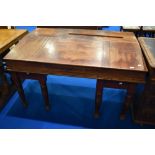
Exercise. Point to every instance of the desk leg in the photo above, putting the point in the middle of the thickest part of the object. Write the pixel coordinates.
(128, 100)
(42, 80)
(18, 84)
(98, 98)
(5, 84)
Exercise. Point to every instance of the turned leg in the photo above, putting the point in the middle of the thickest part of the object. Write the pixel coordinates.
(19, 87)
(128, 100)
(98, 98)
(42, 80)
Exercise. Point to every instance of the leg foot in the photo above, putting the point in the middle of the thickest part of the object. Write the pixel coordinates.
(5, 85)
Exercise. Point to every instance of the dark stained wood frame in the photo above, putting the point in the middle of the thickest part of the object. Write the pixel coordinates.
(6, 90)
(121, 81)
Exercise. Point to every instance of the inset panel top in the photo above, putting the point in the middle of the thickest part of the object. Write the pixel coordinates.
(90, 48)
(148, 46)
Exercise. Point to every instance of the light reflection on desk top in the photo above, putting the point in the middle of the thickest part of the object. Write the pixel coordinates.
(92, 48)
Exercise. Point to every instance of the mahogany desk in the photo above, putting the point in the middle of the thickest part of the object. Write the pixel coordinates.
(113, 58)
(8, 37)
(145, 110)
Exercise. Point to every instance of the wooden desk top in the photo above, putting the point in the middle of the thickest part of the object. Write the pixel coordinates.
(148, 46)
(8, 37)
(81, 48)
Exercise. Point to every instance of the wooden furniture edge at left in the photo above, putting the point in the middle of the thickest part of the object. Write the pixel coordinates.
(7, 89)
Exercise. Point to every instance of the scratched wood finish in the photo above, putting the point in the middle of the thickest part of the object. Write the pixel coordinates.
(8, 37)
(145, 108)
(114, 56)
(148, 48)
